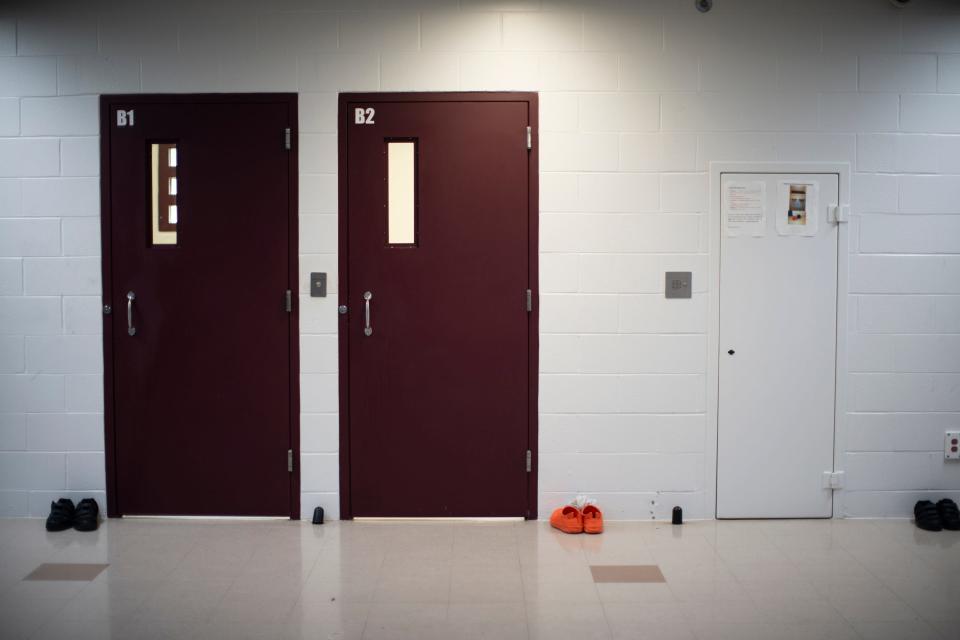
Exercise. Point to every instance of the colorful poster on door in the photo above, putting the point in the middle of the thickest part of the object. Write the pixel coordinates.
(797, 204)
(798, 208)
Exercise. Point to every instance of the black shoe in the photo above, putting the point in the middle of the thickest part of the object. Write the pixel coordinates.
(61, 515)
(926, 516)
(949, 514)
(87, 517)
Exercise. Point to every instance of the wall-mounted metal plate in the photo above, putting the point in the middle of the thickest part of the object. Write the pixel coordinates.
(318, 285)
(679, 284)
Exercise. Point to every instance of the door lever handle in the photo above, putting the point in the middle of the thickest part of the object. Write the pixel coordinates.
(367, 329)
(131, 330)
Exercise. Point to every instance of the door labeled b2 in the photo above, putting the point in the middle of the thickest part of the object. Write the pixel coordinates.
(438, 292)
(200, 331)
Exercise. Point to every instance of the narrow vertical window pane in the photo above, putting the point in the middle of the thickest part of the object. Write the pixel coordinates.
(163, 193)
(401, 190)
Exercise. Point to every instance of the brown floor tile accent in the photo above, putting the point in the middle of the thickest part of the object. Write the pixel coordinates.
(627, 573)
(73, 571)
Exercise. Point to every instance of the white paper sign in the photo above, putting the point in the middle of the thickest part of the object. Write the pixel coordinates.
(744, 208)
(798, 208)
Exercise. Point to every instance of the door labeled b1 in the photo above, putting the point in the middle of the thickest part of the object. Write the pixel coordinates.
(438, 289)
(199, 256)
(777, 345)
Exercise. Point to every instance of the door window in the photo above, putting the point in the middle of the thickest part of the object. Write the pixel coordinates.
(163, 193)
(401, 192)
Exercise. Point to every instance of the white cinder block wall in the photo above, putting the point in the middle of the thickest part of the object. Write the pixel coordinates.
(636, 99)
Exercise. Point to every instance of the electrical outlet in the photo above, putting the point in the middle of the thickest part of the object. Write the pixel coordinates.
(951, 445)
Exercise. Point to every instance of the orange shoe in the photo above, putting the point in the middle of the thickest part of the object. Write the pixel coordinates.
(568, 519)
(592, 519)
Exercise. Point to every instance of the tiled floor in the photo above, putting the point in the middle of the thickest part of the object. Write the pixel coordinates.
(740, 580)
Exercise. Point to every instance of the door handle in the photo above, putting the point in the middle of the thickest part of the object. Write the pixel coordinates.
(131, 330)
(367, 329)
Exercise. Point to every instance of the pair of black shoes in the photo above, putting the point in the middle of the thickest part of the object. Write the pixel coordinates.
(63, 515)
(935, 517)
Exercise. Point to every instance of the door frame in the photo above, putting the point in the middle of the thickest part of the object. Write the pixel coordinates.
(343, 262)
(107, 103)
(717, 169)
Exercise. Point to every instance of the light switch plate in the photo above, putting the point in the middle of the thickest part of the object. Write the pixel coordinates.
(318, 285)
(679, 284)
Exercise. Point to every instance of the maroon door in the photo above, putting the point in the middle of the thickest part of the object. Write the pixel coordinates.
(200, 340)
(439, 384)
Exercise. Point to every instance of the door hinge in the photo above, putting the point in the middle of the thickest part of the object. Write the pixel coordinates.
(838, 213)
(290, 460)
(833, 479)
(286, 139)
(288, 301)
(529, 461)
(529, 300)
(529, 137)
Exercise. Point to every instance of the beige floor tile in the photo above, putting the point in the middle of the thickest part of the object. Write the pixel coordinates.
(557, 572)
(41, 589)
(90, 629)
(118, 629)
(612, 592)
(946, 629)
(628, 621)
(183, 601)
(323, 590)
(406, 621)
(23, 616)
(287, 585)
(552, 621)
(477, 584)
(424, 585)
(336, 566)
(407, 564)
(325, 620)
(736, 612)
(869, 589)
(561, 592)
(494, 621)
(793, 611)
(885, 610)
(253, 608)
(487, 553)
(707, 591)
(106, 598)
(913, 630)
(763, 571)
(775, 631)
(937, 608)
(233, 630)
(772, 589)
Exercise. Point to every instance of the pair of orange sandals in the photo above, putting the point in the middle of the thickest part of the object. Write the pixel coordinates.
(570, 519)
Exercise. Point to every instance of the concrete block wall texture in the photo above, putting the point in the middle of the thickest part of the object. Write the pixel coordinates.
(636, 99)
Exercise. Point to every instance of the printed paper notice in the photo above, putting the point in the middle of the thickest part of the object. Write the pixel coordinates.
(744, 208)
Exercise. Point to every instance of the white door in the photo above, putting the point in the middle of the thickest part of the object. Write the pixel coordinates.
(778, 328)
